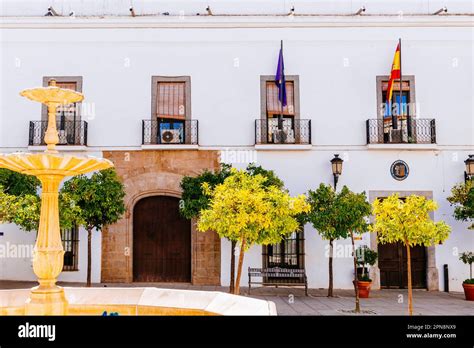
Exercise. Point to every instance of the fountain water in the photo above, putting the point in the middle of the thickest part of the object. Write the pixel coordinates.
(47, 298)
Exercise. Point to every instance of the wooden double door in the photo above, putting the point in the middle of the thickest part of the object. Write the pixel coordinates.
(392, 262)
(161, 241)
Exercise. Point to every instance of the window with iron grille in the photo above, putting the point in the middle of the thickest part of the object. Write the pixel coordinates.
(70, 239)
(393, 110)
(171, 110)
(281, 124)
(289, 253)
(65, 113)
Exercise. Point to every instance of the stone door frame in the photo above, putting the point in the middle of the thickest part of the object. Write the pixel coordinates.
(432, 276)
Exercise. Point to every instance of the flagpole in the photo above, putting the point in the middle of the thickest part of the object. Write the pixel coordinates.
(280, 119)
(401, 89)
(401, 101)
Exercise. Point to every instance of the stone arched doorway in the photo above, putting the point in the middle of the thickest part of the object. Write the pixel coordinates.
(161, 241)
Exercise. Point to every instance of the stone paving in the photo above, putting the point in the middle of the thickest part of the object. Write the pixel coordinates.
(291, 301)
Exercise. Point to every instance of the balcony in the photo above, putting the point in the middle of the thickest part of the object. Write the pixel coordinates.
(412, 131)
(283, 134)
(170, 134)
(71, 133)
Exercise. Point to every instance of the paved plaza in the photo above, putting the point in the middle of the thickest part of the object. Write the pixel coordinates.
(291, 301)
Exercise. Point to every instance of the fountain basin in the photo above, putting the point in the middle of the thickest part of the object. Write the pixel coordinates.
(144, 301)
(52, 164)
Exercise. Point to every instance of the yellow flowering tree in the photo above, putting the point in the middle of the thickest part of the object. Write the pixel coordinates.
(243, 208)
(408, 222)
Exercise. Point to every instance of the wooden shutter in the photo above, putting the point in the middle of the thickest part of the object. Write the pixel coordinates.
(67, 85)
(171, 100)
(69, 111)
(396, 86)
(274, 104)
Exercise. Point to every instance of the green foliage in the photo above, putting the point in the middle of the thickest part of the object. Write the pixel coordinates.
(335, 215)
(467, 257)
(99, 198)
(364, 277)
(24, 210)
(468, 281)
(408, 221)
(18, 184)
(244, 208)
(193, 199)
(366, 256)
(462, 198)
(271, 178)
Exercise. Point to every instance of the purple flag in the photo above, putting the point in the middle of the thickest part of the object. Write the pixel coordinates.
(280, 79)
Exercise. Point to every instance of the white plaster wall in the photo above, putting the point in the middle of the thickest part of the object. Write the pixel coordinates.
(435, 171)
(225, 58)
(21, 268)
(117, 66)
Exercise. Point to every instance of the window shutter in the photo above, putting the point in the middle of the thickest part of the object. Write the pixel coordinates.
(274, 104)
(171, 100)
(396, 86)
(67, 85)
(69, 111)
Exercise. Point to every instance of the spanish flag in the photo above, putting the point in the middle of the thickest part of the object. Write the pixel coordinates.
(395, 73)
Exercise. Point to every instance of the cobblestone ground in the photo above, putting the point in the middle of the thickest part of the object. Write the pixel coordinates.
(291, 301)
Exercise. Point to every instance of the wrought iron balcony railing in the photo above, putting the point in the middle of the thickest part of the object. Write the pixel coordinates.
(285, 131)
(70, 132)
(408, 131)
(172, 132)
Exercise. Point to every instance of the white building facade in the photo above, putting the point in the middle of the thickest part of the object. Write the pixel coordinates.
(172, 95)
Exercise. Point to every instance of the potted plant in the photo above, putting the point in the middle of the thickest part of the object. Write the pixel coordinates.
(365, 257)
(468, 284)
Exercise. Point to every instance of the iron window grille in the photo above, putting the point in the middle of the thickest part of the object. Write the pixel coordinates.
(288, 254)
(70, 240)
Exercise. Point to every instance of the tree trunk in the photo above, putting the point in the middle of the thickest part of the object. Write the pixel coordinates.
(232, 267)
(331, 253)
(89, 252)
(356, 288)
(239, 268)
(410, 293)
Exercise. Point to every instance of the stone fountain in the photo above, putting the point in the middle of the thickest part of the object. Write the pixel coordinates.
(51, 167)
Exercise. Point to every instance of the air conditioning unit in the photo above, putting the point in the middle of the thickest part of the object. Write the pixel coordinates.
(170, 136)
(396, 136)
(284, 136)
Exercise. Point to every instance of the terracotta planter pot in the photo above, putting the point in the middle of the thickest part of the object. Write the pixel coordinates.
(468, 291)
(364, 288)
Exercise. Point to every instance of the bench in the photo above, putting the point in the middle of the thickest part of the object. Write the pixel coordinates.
(281, 277)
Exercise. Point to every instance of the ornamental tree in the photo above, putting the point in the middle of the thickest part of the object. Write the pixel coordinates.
(353, 210)
(18, 184)
(100, 199)
(365, 257)
(243, 208)
(338, 216)
(467, 258)
(194, 199)
(20, 204)
(462, 198)
(408, 222)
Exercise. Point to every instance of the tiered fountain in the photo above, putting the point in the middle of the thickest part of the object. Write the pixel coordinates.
(51, 167)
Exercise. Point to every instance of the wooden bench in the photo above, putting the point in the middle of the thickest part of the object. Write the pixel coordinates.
(281, 277)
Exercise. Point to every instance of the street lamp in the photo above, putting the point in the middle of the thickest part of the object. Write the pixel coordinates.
(469, 172)
(336, 164)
